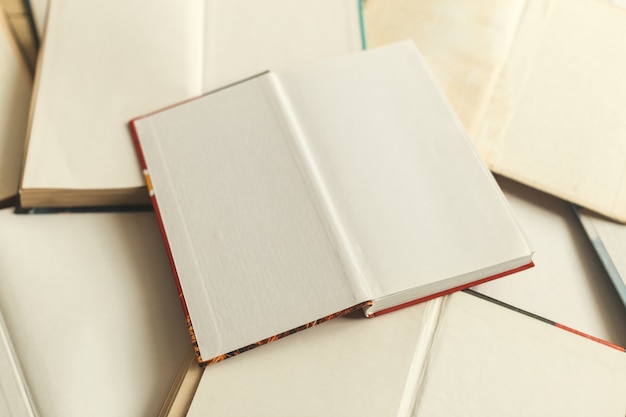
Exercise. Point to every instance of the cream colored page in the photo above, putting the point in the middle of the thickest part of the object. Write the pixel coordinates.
(349, 366)
(568, 283)
(556, 119)
(15, 90)
(490, 361)
(249, 240)
(463, 42)
(104, 63)
(244, 37)
(93, 311)
(418, 204)
(14, 397)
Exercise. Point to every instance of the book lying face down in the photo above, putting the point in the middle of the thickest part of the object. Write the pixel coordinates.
(299, 195)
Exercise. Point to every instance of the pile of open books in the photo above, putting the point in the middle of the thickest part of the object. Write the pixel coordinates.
(206, 205)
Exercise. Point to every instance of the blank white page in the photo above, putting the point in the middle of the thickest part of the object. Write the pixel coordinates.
(416, 200)
(93, 311)
(249, 238)
(15, 90)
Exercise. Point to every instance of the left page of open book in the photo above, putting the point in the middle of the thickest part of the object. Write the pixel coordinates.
(103, 63)
(15, 90)
(92, 310)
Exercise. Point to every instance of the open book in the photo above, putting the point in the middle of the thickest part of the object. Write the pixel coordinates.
(104, 62)
(609, 240)
(456, 355)
(15, 89)
(302, 194)
(92, 312)
(537, 82)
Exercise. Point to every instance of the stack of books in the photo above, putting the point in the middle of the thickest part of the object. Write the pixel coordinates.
(236, 208)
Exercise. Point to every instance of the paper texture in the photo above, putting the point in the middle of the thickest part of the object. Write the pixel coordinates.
(15, 90)
(97, 325)
(99, 69)
(568, 142)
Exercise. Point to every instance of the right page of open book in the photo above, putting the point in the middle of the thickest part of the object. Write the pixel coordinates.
(556, 117)
(418, 205)
(487, 360)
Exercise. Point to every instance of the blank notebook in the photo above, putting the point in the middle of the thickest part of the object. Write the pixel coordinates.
(105, 62)
(297, 194)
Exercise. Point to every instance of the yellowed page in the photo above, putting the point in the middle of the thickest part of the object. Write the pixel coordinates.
(464, 43)
(555, 120)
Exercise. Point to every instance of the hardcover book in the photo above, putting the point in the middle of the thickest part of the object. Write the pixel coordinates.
(537, 83)
(104, 62)
(302, 194)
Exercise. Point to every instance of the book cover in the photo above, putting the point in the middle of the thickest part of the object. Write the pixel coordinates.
(301, 193)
